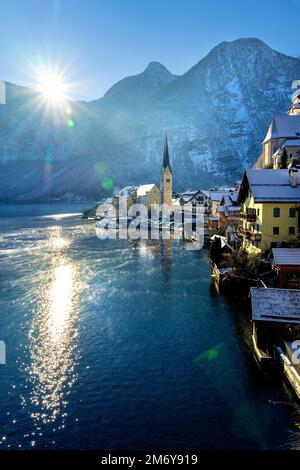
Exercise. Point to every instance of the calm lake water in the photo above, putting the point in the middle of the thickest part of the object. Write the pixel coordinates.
(116, 347)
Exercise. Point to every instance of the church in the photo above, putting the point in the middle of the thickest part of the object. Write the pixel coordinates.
(166, 177)
(150, 194)
(282, 141)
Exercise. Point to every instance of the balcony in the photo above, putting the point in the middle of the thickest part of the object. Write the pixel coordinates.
(249, 216)
(250, 235)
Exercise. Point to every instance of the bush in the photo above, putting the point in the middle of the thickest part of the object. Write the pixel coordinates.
(244, 263)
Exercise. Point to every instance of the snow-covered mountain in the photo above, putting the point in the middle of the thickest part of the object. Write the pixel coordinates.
(216, 115)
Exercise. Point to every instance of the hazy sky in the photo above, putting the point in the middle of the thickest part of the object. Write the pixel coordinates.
(99, 42)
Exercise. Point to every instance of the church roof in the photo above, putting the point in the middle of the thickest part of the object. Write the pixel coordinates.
(287, 126)
(166, 160)
(144, 189)
(291, 143)
(128, 190)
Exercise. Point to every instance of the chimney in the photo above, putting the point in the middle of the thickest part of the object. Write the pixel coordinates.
(293, 176)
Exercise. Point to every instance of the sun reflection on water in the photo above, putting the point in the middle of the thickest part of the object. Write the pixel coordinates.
(60, 301)
(53, 350)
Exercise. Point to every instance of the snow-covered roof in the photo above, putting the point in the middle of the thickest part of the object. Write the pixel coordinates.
(275, 305)
(176, 202)
(216, 195)
(286, 256)
(144, 189)
(278, 153)
(291, 143)
(233, 196)
(185, 198)
(283, 126)
(271, 186)
(188, 196)
(189, 193)
(127, 191)
(233, 208)
(229, 199)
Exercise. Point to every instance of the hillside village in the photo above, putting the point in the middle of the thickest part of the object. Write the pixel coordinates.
(253, 230)
(262, 211)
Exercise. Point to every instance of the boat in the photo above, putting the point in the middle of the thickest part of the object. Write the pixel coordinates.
(276, 331)
(289, 360)
(219, 273)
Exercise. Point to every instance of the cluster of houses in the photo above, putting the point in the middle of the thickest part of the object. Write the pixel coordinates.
(262, 214)
(269, 198)
(150, 195)
(262, 211)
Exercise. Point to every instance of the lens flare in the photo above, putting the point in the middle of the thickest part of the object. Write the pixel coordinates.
(52, 86)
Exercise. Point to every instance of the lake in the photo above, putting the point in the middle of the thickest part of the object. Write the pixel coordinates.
(110, 346)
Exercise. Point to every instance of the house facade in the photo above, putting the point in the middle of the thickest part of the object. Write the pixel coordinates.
(215, 197)
(286, 264)
(230, 216)
(270, 208)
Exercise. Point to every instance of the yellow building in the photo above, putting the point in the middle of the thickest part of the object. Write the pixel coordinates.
(166, 178)
(270, 208)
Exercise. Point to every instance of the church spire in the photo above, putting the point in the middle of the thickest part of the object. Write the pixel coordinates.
(166, 178)
(166, 160)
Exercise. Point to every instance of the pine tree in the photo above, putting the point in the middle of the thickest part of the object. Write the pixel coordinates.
(284, 159)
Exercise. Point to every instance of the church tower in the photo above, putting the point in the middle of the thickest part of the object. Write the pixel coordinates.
(166, 178)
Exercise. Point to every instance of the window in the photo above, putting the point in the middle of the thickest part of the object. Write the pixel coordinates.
(291, 230)
(276, 212)
(292, 212)
(167, 180)
(257, 211)
(275, 230)
(251, 214)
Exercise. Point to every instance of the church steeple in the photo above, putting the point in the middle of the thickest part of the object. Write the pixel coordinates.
(166, 177)
(166, 160)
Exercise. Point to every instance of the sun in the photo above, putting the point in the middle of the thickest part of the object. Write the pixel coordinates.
(52, 87)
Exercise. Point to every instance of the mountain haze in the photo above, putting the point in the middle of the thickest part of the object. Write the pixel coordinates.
(216, 115)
